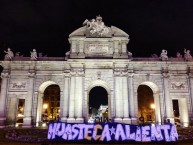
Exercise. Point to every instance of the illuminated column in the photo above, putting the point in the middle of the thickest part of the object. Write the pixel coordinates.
(124, 49)
(81, 49)
(28, 101)
(168, 100)
(131, 100)
(125, 99)
(190, 77)
(12, 111)
(79, 99)
(73, 48)
(3, 95)
(39, 108)
(116, 49)
(65, 103)
(118, 96)
(184, 117)
(72, 100)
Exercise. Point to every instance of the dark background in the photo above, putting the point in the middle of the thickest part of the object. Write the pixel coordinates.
(45, 25)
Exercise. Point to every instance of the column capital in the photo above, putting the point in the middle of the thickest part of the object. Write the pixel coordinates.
(120, 72)
(130, 75)
(77, 72)
(66, 74)
(31, 74)
(190, 75)
(4, 75)
(165, 75)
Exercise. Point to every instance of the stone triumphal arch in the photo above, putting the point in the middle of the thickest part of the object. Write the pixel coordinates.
(98, 56)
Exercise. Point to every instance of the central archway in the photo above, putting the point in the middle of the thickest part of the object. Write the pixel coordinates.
(104, 87)
(98, 105)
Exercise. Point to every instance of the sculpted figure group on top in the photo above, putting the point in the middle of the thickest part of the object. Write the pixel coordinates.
(187, 55)
(10, 55)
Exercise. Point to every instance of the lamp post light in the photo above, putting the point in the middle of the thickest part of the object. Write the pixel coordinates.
(45, 106)
(152, 106)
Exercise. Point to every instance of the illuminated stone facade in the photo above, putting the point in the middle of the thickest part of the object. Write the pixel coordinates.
(96, 58)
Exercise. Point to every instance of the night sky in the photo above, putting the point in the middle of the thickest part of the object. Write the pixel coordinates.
(45, 25)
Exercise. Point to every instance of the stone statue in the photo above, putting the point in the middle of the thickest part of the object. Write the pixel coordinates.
(154, 55)
(163, 55)
(67, 54)
(130, 54)
(187, 55)
(96, 26)
(178, 55)
(9, 54)
(34, 55)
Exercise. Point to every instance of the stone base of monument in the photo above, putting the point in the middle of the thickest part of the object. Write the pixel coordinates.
(2, 122)
(71, 120)
(126, 120)
(63, 119)
(27, 122)
(134, 121)
(79, 120)
(170, 120)
(118, 120)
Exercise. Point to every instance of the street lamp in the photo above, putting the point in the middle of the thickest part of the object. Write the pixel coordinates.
(152, 106)
(45, 106)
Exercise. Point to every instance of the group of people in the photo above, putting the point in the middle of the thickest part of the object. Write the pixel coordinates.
(9, 54)
(187, 55)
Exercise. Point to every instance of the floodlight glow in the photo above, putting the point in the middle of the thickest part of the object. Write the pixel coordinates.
(152, 106)
(45, 106)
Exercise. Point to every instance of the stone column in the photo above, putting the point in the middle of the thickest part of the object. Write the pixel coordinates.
(116, 49)
(28, 102)
(190, 78)
(81, 48)
(118, 100)
(131, 100)
(79, 99)
(65, 102)
(39, 108)
(71, 118)
(73, 49)
(121, 107)
(126, 118)
(124, 49)
(12, 111)
(168, 100)
(3, 95)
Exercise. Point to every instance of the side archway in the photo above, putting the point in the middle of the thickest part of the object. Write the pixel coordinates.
(154, 88)
(41, 91)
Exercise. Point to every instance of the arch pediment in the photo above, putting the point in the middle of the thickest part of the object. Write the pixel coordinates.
(113, 32)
